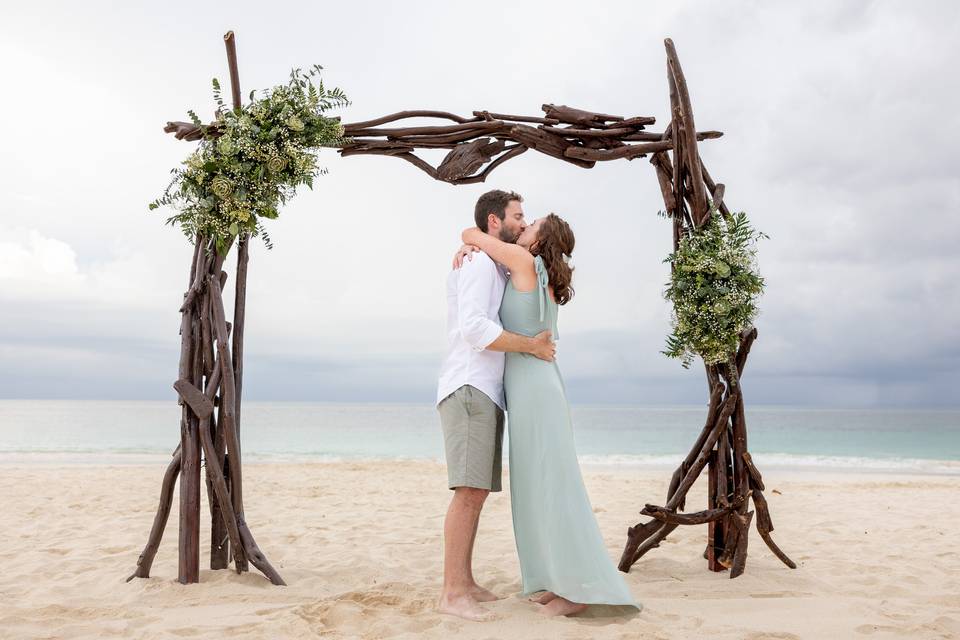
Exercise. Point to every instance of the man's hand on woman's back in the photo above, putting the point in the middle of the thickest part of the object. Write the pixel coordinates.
(544, 347)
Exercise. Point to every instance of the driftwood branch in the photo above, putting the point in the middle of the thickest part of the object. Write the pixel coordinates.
(755, 478)
(229, 517)
(699, 517)
(629, 151)
(145, 561)
(765, 526)
(194, 398)
(573, 135)
(513, 151)
(239, 318)
(464, 159)
(733, 478)
(403, 115)
(582, 118)
(256, 556)
(227, 403)
(688, 131)
(694, 472)
(231, 43)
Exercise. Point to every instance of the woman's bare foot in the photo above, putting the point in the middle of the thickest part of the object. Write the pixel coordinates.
(562, 607)
(464, 606)
(543, 598)
(483, 595)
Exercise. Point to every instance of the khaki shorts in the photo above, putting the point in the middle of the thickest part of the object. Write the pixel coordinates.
(472, 438)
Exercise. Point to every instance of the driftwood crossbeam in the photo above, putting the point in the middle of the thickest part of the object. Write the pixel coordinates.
(211, 359)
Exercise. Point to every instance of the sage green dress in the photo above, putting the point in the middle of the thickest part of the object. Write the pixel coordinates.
(557, 536)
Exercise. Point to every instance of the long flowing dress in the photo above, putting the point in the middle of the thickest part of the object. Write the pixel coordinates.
(557, 536)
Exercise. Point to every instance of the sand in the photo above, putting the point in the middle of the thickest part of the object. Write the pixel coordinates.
(360, 546)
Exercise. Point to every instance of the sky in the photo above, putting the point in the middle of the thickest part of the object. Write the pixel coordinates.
(840, 132)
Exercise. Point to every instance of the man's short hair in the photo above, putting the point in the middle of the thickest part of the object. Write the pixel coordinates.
(494, 202)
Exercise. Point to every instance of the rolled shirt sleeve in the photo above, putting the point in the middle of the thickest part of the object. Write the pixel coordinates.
(474, 291)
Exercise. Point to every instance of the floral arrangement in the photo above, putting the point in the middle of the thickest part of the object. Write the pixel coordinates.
(251, 160)
(714, 287)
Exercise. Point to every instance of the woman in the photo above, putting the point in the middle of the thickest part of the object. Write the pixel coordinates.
(558, 540)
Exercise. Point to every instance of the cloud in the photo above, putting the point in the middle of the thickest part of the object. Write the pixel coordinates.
(839, 142)
(37, 268)
(30, 261)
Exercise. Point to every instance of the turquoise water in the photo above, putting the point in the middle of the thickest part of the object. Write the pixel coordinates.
(118, 431)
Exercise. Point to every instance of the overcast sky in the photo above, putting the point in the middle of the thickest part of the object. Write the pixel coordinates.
(841, 130)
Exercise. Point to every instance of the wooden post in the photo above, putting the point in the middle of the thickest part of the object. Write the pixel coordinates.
(189, 541)
(239, 315)
(228, 408)
(145, 561)
(688, 131)
(209, 386)
(219, 540)
(713, 538)
(231, 43)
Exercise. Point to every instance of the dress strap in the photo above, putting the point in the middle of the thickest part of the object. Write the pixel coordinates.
(543, 282)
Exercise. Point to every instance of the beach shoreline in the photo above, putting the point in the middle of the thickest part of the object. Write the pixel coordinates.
(785, 464)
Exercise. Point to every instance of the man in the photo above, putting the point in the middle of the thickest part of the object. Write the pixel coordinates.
(470, 398)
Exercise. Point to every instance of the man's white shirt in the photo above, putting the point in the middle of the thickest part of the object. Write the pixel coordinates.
(474, 293)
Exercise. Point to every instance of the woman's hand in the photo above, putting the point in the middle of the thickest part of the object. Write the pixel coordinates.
(464, 252)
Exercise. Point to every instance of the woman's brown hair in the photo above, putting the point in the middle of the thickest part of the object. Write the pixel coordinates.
(554, 241)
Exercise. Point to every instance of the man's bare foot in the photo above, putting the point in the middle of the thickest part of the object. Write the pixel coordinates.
(463, 606)
(543, 598)
(483, 595)
(562, 607)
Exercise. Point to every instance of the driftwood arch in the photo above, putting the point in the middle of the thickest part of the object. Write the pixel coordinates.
(211, 368)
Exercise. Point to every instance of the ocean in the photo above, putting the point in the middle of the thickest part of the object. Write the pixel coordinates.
(118, 432)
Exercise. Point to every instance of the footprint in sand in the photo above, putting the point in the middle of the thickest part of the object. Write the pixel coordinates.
(388, 610)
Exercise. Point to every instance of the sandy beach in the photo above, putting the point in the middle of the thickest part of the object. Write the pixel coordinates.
(360, 546)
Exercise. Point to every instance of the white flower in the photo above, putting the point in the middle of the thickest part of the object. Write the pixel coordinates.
(295, 123)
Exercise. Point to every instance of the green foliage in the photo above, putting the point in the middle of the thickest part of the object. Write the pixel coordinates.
(250, 162)
(714, 287)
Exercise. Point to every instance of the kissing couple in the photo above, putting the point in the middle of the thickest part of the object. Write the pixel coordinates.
(508, 282)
